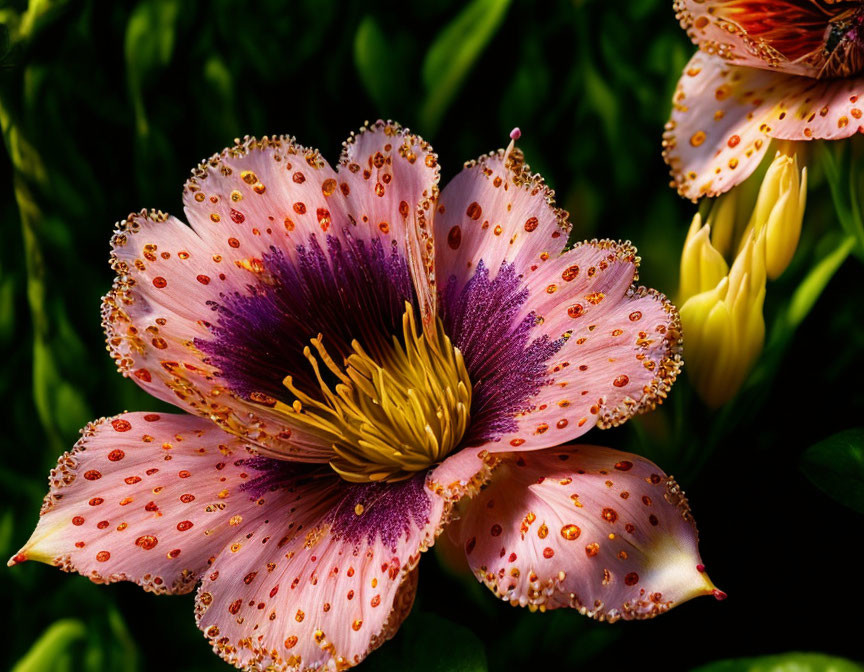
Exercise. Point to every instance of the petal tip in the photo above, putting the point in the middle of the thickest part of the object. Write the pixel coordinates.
(17, 559)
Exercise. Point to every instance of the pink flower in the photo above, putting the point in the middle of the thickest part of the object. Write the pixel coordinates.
(327, 435)
(785, 69)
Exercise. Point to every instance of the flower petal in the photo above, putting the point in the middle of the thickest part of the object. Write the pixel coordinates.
(571, 345)
(156, 317)
(519, 308)
(723, 117)
(620, 346)
(782, 35)
(585, 527)
(322, 575)
(497, 211)
(390, 179)
(462, 474)
(261, 193)
(142, 497)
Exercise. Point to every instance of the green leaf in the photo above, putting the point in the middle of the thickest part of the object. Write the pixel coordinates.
(124, 650)
(453, 54)
(785, 662)
(148, 47)
(843, 191)
(804, 298)
(48, 651)
(418, 647)
(374, 62)
(219, 83)
(836, 466)
(814, 283)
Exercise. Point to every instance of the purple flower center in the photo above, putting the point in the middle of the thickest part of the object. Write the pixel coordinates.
(506, 366)
(358, 512)
(351, 299)
(353, 290)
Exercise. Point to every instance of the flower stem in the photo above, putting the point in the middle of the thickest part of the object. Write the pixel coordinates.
(844, 193)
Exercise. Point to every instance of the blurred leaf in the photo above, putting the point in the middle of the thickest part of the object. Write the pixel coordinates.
(786, 662)
(814, 283)
(148, 47)
(374, 60)
(37, 14)
(528, 89)
(452, 55)
(418, 647)
(839, 167)
(43, 655)
(5, 39)
(220, 87)
(123, 645)
(7, 528)
(803, 300)
(585, 640)
(601, 97)
(7, 308)
(836, 466)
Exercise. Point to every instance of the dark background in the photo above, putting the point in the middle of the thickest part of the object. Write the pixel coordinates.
(105, 106)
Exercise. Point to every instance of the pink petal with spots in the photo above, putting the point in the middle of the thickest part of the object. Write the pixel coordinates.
(390, 178)
(213, 318)
(462, 474)
(620, 345)
(591, 528)
(497, 211)
(275, 192)
(781, 35)
(143, 497)
(263, 193)
(724, 116)
(500, 254)
(322, 575)
(167, 276)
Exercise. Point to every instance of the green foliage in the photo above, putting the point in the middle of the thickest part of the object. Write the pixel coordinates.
(787, 662)
(373, 58)
(50, 653)
(836, 466)
(453, 53)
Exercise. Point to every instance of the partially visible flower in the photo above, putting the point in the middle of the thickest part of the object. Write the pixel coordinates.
(773, 69)
(356, 353)
(721, 314)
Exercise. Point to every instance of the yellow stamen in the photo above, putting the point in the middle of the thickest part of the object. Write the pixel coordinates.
(389, 416)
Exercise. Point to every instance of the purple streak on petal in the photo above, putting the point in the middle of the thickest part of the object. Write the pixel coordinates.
(388, 509)
(353, 290)
(505, 365)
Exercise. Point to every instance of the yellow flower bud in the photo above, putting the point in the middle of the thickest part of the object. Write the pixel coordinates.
(779, 211)
(721, 315)
(723, 327)
(702, 266)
